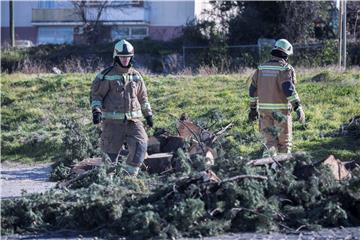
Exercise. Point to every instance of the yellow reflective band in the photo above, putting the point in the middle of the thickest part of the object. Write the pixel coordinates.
(96, 103)
(274, 106)
(253, 99)
(146, 106)
(276, 68)
(121, 116)
(134, 77)
(110, 78)
(293, 98)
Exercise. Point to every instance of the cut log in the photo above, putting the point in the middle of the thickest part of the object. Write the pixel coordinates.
(153, 145)
(337, 168)
(172, 144)
(275, 159)
(158, 163)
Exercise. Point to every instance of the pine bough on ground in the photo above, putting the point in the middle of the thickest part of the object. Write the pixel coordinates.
(186, 204)
(296, 195)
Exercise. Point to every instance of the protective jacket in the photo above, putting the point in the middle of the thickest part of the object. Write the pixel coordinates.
(272, 91)
(120, 93)
(273, 85)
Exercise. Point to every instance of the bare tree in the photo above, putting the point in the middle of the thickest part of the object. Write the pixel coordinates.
(90, 13)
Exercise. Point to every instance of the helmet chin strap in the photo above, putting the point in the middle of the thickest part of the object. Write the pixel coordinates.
(117, 60)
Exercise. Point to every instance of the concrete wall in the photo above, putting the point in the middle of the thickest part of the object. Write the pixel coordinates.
(168, 17)
(171, 13)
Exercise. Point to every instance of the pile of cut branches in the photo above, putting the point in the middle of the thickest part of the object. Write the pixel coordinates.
(284, 193)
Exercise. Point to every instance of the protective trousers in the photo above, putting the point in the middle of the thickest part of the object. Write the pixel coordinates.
(276, 128)
(116, 132)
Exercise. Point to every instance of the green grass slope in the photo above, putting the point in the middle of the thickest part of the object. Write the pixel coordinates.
(34, 107)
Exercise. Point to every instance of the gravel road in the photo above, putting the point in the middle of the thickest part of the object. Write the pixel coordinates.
(17, 179)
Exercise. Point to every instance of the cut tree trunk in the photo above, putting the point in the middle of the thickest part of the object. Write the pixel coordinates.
(158, 163)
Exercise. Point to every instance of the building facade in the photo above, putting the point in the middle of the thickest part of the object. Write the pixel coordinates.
(57, 22)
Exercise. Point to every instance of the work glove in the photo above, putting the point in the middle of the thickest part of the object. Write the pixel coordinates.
(149, 121)
(97, 116)
(253, 115)
(300, 115)
(299, 112)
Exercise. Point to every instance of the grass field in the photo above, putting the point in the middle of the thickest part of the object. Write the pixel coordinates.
(33, 105)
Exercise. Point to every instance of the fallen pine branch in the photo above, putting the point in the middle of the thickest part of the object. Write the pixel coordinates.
(275, 159)
(80, 177)
(244, 176)
(220, 133)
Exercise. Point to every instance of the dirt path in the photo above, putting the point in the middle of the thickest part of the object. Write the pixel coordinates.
(19, 178)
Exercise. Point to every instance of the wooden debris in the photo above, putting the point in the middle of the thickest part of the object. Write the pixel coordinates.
(209, 176)
(210, 156)
(172, 144)
(202, 149)
(274, 159)
(259, 177)
(188, 129)
(221, 132)
(153, 145)
(80, 176)
(86, 165)
(337, 168)
(159, 162)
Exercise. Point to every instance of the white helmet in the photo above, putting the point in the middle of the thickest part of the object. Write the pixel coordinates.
(123, 48)
(284, 46)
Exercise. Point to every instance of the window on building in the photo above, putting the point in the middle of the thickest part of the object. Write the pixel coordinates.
(55, 4)
(55, 35)
(138, 3)
(120, 33)
(139, 32)
(129, 33)
(46, 4)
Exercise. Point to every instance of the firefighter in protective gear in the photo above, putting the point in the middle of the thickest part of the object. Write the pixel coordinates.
(119, 101)
(272, 98)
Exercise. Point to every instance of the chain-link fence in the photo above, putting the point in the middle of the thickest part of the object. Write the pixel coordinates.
(231, 58)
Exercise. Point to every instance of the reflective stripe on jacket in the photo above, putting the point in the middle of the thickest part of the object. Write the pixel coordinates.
(121, 91)
(267, 89)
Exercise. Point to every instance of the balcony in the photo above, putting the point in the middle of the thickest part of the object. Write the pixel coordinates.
(114, 15)
(54, 16)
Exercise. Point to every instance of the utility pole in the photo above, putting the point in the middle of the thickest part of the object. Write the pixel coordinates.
(344, 22)
(340, 33)
(12, 29)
